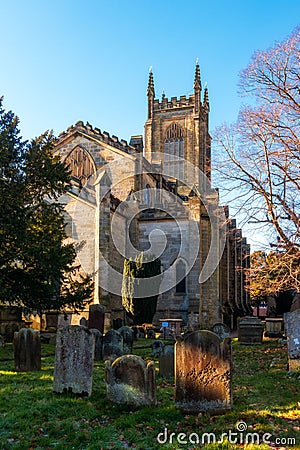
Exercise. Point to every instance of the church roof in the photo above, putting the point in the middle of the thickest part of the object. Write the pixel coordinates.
(96, 133)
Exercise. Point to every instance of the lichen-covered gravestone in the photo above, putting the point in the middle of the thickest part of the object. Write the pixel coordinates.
(203, 373)
(96, 317)
(166, 362)
(74, 358)
(112, 344)
(98, 356)
(127, 334)
(157, 347)
(221, 329)
(27, 350)
(292, 330)
(131, 381)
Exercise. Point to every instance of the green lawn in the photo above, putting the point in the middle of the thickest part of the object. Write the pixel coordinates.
(265, 397)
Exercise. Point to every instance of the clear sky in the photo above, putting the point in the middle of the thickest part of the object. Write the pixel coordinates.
(69, 60)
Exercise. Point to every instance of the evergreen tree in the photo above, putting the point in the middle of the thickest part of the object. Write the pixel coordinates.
(140, 310)
(37, 269)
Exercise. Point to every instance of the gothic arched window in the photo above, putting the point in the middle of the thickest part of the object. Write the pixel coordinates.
(173, 149)
(181, 277)
(81, 165)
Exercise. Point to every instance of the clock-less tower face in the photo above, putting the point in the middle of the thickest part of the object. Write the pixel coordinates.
(178, 128)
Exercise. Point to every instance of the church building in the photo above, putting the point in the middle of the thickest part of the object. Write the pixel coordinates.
(154, 194)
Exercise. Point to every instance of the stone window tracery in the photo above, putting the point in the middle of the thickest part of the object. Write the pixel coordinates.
(81, 165)
(174, 149)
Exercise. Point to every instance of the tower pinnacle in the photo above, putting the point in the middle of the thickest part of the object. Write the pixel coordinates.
(150, 90)
(197, 80)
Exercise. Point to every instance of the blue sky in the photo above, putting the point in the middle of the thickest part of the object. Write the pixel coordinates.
(69, 60)
(63, 61)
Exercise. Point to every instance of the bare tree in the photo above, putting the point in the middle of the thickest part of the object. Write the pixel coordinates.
(259, 156)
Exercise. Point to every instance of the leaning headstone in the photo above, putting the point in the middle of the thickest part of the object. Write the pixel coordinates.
(292, 330)
(27, 350)
(112, 345)
(157, 347)
(96, 317)
(74, 358)
(166, 362)
(221, 329)
(131, 381)
(203, 373)
(127, 334)
(98, 355)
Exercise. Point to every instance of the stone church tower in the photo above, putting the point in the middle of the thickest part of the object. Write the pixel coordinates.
(179, 127)
(168, 185)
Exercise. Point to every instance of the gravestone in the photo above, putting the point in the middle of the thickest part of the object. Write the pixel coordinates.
(64, 320)
(2, 342)
(98, 355)
(141, 332)
(27, 350)
(74, 358)
(127, 334)
(166, 362)
(203, 373)
(10, 321)
(96, 317)
(131, 381)
(250, 331)
(157, 347)
(221, 330)
(135, 332)
(292, 330)
(117, 323)
(112, 344)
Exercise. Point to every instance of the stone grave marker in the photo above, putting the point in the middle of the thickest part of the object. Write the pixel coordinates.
(221, 329)
(96, 317)
(74, 358)
(64, 320)
(166, 362)
(2, 342)
(292, 330)
(98, 355)
(157, 347)
(112, 345)
(131, 381)
(203, 373)
(127, 334)
(27, 350)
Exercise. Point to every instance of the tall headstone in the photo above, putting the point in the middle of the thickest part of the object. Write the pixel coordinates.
(292, 331)
(98, 355)
(27, 350)
(203, 373)
(96, 317)
(127, 334)
(166, 362)
(131, 381)
(74, 358)
(112, 345)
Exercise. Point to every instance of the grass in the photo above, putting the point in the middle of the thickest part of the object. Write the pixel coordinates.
(265, 397)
